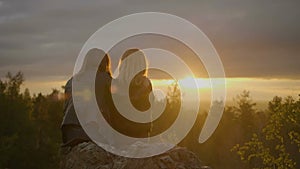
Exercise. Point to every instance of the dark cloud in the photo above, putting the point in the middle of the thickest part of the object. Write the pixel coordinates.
(254, 38)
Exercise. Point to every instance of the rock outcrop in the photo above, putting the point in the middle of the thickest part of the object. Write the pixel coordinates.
(90, 156)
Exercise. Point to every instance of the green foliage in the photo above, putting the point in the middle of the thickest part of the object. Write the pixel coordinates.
(245, 112)
(248, 138)
(278, 144)
(173, 95)
(29, 126)
(30, 130)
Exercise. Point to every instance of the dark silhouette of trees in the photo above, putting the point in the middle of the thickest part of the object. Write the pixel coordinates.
(245, 138)
(278, 144)
(29, 126)
(249, 138)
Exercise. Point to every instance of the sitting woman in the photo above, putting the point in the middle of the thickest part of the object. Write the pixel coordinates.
(133, 71)
(72, 131)
(133, 76)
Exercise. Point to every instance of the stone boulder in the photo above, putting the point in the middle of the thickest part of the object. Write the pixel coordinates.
(90, 156)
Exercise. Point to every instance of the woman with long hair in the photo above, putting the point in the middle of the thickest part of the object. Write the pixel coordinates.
(131, 81)
(72, 131)
(133, 69)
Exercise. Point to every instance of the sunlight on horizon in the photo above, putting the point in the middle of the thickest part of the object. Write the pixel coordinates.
(187, 82)
(260, 89)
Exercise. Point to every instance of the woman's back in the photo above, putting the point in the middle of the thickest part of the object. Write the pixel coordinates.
(139, 98)
(139, 91)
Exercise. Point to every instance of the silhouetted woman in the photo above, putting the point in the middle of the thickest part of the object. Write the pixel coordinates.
(133, 74)
(72, 131)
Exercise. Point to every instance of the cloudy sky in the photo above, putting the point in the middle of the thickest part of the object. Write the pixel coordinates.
(254, 38)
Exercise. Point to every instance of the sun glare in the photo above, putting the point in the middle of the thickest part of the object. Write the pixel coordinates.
(195, 83)
(189, 82)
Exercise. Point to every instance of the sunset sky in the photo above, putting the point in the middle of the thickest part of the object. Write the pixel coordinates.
(257, 41)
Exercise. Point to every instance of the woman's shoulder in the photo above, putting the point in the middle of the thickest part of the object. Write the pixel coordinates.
(146, 81)
(142, 83)
(68, 86)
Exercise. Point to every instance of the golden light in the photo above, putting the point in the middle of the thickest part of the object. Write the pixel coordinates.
(188, 82)
(195, 83)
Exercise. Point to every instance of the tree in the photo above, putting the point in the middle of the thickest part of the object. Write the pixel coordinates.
(46, 119)
(245, 111)
(173, 95)
(15, 126)
(278, 145)
(29, 126)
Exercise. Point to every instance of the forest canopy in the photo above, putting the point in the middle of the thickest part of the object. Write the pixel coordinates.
(245, 138)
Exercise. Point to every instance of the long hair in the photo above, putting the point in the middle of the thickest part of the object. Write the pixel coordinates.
(105, 65)
(133, 63)
(92, 59)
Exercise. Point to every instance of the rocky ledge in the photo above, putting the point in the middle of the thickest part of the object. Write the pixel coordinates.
(90, 156)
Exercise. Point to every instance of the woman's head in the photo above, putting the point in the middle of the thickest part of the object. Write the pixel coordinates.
(91, 61)
(132, 63)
